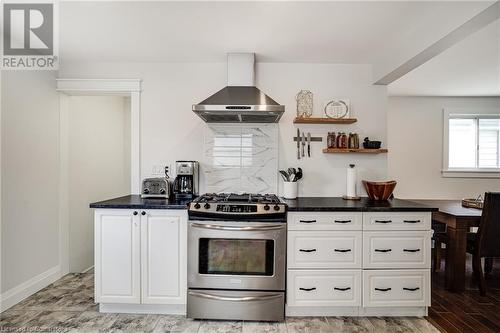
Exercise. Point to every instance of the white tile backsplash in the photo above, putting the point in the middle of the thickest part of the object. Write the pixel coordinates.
(241, 158)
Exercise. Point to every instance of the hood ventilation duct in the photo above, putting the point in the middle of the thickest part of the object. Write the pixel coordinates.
(240, 101)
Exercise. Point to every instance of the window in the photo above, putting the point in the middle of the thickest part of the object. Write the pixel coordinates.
(471, 143)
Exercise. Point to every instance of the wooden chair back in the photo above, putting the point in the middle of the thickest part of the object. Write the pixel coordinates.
(488, 234)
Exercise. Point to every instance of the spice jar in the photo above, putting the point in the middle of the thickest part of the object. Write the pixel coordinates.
(330, 140)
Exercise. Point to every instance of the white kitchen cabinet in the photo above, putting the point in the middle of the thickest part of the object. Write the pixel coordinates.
(117, 262)
(324, 249)
(163, 256)
(389, 288)
(396, 221)
(324, 287)
(358, 263)
(325, 221)
(397, 249)
(140, 256)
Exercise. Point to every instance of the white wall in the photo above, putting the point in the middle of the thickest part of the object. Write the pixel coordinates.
(171, 131)
(98, 166)
(30, 166)
(415, 133)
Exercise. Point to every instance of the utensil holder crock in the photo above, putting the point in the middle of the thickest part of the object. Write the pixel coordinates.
(290, 190)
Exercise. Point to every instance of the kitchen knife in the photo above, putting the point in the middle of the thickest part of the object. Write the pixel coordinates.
(298, 144)
(303, 144)
(308, 144)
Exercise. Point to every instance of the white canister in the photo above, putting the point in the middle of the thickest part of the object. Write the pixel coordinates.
(290, 190)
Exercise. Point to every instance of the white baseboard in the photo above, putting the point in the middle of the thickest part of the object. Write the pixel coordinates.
(15, 295)
(313, 311)
(174, 309)
(88, 269)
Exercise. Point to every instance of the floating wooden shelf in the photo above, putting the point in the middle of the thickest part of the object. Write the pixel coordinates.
(324, 120)
(361, 151)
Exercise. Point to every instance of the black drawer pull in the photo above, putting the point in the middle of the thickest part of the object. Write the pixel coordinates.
(383, 289)
(307, 289)
(383, 250)
(307, 221)
(342, 289)
(383, 221)
(304, 250)
(342, 221)
(411, 250)
(412, 289)
(411, 221)
(342, 250)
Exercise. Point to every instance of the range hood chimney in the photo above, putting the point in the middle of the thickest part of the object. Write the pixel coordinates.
(240, 101)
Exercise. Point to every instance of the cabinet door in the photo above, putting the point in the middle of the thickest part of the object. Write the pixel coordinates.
(117, 256)
(164, 250)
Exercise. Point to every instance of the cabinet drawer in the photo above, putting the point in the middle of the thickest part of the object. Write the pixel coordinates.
(324, 249)
(397, 221)
(396, 288)
(325, 221)
(324, 288)
(397, 249)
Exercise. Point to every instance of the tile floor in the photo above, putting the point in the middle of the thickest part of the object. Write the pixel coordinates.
(67, 306)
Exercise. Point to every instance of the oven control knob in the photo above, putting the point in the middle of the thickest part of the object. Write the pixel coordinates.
(207, 206)
(266, 207)
(276, 207)
(197, 206)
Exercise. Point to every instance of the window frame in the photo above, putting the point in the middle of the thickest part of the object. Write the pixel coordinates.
(465, 172)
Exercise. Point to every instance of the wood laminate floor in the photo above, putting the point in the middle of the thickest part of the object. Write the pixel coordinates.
(468, 311)
(67, 306)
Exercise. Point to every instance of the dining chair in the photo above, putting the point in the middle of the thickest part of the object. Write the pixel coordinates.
(481, 244)
(484, 243)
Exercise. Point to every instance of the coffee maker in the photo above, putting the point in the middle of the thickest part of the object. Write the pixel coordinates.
(187, 179)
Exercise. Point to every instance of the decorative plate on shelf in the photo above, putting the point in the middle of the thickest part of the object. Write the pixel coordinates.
(337, 108)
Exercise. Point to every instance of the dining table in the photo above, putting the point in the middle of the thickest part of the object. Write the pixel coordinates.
(458, 220)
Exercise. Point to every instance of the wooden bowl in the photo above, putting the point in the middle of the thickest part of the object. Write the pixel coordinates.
(379, 190)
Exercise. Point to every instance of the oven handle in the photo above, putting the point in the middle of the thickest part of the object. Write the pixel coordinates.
(233, 228)
(234, 299)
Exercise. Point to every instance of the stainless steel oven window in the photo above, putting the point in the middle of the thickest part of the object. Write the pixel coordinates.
(230, 256)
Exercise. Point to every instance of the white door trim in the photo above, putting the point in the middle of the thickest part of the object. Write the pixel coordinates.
(131, 88)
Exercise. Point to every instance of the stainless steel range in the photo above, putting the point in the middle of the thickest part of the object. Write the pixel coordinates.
(237, 257)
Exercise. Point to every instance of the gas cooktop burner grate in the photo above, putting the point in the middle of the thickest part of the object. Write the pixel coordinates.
(239, 198)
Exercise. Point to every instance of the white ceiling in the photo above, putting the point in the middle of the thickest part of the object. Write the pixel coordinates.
(367, 32)
(469, 68)
(327, 32)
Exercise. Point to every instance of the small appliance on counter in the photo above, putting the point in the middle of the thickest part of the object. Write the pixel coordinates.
(187, 179)
(160, 187)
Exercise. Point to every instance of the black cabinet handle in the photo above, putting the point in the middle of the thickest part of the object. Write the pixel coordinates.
(383, 250)
(383, 221)
(411, 250)
(411, 289)
(342, 221)
(383, 289)
(342, 250)
(143, 213)
(304, 250)
(342, 289)
(307, 221)
(411, 221)
(135, 213)
(307, 289)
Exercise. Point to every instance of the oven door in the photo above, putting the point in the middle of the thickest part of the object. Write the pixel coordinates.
(236, 255)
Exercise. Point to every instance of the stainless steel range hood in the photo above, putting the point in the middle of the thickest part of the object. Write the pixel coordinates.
(240, 101)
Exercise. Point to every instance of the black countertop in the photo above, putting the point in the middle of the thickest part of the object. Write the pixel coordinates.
(301, 204)
(331, 204)
(136, 202)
